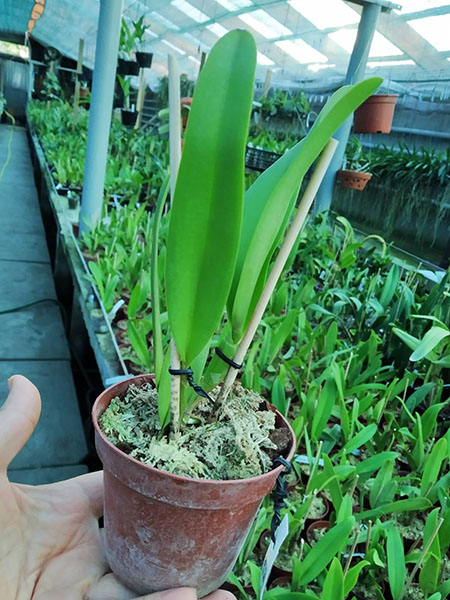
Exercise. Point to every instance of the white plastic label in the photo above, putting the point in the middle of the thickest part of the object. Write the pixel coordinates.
(273, 550)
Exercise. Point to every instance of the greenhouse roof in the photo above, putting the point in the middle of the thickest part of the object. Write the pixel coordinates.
(302, 42)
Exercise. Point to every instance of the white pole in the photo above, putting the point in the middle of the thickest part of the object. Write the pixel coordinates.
(278, 266)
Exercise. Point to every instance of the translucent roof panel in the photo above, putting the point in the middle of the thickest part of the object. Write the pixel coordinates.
(381, 46)
(326, 13)
(436, 30)
(304, 42)
(301, 51)
(263, 23)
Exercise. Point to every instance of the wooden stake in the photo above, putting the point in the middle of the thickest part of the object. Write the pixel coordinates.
(140, 98)
(277, 269)
(267, 82)
(175, 158)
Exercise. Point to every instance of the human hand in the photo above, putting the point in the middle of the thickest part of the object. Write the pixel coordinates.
(50, 541)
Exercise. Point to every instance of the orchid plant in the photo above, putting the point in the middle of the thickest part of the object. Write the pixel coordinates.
(221, 241)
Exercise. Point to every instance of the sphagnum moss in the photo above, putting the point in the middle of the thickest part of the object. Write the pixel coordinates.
(233, 444)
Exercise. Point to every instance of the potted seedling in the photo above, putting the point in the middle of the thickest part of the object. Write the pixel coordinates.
(354, 174)
(186, 463)
(126, 65)
(144, 59)
(128, 116)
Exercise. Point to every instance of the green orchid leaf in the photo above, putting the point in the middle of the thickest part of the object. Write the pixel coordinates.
(333, 587)
(206, 214)
(433, 465)
(429, 342)
(271, 198)
(139, 342)
(396, 562)
(361, 438)
(325, 550)
(398, 506)
(430, 572)
(351, 578)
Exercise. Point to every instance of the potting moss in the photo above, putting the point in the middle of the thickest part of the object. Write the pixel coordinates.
(237, 442)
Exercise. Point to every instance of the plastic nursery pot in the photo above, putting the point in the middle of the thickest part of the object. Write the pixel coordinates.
(353, 180)
(144, 59)
(127, 67)
(375, 114)
(166, 531)
(129, 117)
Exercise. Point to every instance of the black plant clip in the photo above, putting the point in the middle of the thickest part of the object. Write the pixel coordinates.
(279, 494)
(190, 379)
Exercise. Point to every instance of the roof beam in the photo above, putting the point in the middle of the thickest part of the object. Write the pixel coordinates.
(411, 43)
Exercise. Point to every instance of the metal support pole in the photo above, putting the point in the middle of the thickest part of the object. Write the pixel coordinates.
(108, 33)
(355, 73)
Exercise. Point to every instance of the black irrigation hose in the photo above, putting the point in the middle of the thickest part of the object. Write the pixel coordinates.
(28, 304)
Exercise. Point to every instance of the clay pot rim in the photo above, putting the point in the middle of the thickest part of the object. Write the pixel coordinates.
(382, 98)
(145, 378)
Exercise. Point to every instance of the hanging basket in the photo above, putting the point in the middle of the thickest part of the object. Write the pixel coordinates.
(375, 114)
(144, 59)
(353, 180)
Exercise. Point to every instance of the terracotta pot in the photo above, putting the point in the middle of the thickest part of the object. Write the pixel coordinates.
(375, 114)
(353, 180)
(316, 525)
(84, 92)
(325, 512)
(166, 531)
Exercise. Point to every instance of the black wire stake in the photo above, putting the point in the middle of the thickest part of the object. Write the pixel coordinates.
(279, 494)
(190, 379)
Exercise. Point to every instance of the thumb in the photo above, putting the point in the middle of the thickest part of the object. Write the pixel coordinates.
(18, 418)
(187, 594)
(183, 593)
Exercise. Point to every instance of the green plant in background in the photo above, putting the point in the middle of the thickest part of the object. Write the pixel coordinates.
(125, 85)
(187, 87)
(419, 177)
(137, 160)
(51, 89)
(130, 36)
(354, 158)
(139, 29)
